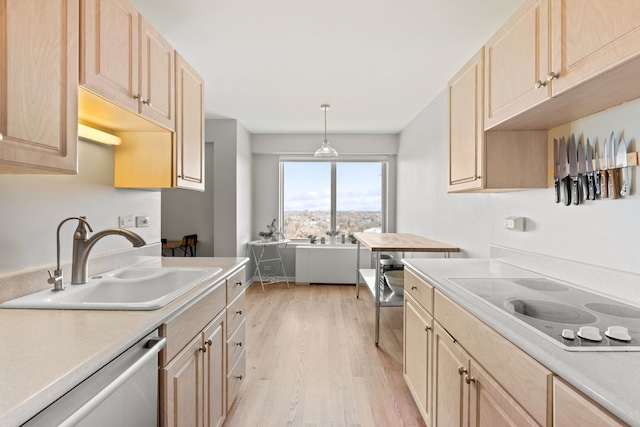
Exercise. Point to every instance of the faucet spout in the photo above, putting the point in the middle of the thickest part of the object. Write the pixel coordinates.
(82, 247)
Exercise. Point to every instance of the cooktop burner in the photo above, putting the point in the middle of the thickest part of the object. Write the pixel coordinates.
(574, 318)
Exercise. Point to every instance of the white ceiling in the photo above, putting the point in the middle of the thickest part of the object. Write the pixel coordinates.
(378, 63)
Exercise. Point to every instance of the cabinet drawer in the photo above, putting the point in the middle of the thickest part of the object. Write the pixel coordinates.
(235, 285)
(519, 374)
(235, 346)
(235, 314)
(234, 380)
(188, 324)
(419, 289)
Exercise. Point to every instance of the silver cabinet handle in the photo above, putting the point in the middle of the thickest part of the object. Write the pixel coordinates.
(462, 370)
(239, 312)
(414, 287)
(540, 84)
(239, 343)
(552, 76)
(239, 377)
(469, 379)
(239, 283)
(146, 102)
(427, 328)
(136, 96)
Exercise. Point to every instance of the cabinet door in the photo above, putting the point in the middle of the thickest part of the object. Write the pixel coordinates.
(38, 86)
(516, 58)
(109, 50)
(572, 408)
(183, 387)
(417, 354)
(450, 393)
(466, 130)
(216, 375)
(189, 126)
(490, 405)
(157, 81)
(589, 37)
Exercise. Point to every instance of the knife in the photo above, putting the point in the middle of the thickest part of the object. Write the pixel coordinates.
(604, 187)
(614, 191)
(556, 171)
(596, 175)
(621, 162)
(573, 171)
(582, 172)
(565, 181)
(591, 189)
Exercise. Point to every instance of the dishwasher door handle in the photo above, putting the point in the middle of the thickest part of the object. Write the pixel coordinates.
(152, 346)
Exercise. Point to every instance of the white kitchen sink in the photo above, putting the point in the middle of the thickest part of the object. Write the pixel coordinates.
(132, 288)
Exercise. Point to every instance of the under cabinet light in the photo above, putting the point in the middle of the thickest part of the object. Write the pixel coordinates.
(95, 135)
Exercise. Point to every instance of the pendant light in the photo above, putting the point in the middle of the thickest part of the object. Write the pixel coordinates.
(325, 149)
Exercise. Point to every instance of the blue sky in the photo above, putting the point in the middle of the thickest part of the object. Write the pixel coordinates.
(308, 186)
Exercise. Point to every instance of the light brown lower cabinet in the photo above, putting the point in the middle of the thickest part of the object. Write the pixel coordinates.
(417, 354)
(571, 408)
(462, 373)
(465, 395)
(193, 382)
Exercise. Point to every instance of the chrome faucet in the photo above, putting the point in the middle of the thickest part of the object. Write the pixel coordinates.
(57, 278)
(82, 246)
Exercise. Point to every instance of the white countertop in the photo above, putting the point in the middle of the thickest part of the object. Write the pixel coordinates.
(45, 353)
(610, 378)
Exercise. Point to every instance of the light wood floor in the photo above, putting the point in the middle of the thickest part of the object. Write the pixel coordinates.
(311, 361)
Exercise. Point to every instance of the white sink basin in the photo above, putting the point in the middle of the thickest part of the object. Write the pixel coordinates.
(132, 288)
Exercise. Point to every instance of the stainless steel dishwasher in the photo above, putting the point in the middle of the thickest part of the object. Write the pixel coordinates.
(122, 393)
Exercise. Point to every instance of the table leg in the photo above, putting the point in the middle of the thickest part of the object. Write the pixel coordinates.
(282, 264)
(358, 270)
(257, 260)
(377, 302)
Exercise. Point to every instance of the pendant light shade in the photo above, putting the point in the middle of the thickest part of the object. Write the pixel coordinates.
(325, 149)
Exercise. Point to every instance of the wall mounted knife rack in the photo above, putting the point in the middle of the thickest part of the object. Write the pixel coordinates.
(567, 188)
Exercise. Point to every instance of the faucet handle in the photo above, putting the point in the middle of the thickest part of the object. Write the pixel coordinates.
(56, 280)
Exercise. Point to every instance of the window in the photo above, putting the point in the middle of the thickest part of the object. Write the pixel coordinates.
(346, 196)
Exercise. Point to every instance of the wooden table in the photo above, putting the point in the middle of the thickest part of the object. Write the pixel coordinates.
(171, 244)
(391, 242)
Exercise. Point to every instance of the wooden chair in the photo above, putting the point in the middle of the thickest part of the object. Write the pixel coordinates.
(188, 245)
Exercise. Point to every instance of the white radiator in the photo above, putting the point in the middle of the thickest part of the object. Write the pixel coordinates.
(329, 263)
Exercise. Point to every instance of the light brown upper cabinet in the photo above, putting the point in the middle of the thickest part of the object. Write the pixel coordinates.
(517, 63)
(494, 160)
(152, 159)
(589, 37)
(126, 61)
(466, 132)
(189, 135)
(555, 61)
(38, 86)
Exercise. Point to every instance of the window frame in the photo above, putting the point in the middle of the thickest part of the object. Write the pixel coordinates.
(383, 160)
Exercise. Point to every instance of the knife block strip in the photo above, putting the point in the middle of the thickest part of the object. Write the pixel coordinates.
(632, 160)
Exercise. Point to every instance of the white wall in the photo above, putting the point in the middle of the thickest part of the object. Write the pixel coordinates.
(32, 206)
(244, 186)
(191, 212)
(601, 232)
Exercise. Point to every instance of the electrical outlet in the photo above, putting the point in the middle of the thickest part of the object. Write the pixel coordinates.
(516, 223)
(142, 221)
(267, 268)
(125, 221)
